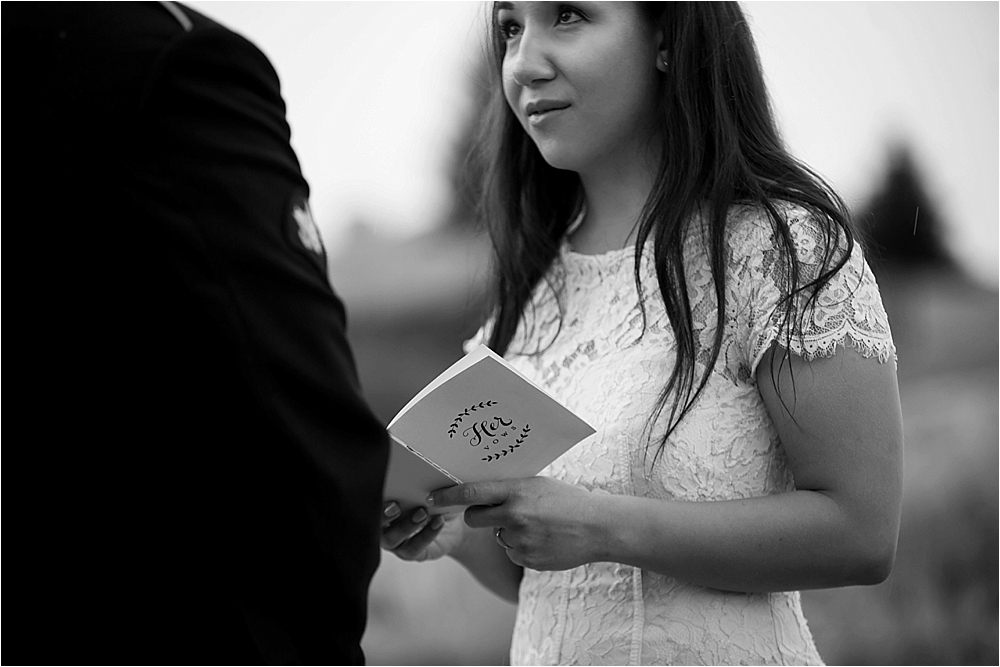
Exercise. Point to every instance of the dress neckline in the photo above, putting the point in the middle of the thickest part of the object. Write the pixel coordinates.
(598, 258)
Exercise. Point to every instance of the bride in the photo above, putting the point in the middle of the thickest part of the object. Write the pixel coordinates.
(666, 270)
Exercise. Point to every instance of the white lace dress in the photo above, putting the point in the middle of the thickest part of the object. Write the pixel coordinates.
(604, 366)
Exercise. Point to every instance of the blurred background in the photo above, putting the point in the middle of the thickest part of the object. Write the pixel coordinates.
(896, 104)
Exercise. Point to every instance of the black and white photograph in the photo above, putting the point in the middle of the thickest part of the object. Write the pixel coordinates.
(504, 333)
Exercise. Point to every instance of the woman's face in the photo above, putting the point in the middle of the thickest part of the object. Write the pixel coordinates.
(581, 78)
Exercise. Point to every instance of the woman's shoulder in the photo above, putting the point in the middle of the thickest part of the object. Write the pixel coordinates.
(755, 220)
(752, 229)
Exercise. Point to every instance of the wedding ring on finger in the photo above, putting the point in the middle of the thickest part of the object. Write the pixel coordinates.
(500, 539)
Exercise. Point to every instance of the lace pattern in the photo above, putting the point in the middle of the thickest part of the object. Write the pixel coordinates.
(606, 366)
(847, 311)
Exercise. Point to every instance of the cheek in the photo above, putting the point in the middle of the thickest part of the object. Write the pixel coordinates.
(511, 92)
(630, 91)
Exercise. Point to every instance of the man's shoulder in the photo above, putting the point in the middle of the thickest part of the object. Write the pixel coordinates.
(211, 45)
(98, 53)
(196, 24)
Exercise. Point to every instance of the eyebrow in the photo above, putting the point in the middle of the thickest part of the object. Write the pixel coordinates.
(497, 6)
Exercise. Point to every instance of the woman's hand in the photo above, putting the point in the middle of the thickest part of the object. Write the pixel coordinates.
(546, 524)
(417, 535)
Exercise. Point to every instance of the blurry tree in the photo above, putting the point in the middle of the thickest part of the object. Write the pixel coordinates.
(466, 169)
(900, 223)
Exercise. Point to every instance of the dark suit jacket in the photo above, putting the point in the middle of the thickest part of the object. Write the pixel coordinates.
(198, 478)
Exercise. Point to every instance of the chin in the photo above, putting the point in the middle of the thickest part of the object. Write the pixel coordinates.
(558, 158)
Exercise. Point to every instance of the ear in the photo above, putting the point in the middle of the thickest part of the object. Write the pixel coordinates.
(662, 55)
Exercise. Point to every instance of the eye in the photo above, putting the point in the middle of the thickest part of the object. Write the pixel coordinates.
(509, 28)
(569, 15)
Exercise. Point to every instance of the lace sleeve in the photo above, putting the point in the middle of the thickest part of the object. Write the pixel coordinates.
(847, 310)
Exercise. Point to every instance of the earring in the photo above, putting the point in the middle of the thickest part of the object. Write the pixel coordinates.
(662, 65)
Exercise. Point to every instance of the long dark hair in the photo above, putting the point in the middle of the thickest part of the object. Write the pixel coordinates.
(721, 148)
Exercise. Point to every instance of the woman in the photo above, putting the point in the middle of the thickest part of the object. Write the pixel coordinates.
(668, 272)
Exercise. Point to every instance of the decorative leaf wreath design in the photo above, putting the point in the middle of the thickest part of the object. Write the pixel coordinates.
(453, 428)
(510, 449)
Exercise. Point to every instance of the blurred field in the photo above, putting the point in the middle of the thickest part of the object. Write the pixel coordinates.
(411, 305)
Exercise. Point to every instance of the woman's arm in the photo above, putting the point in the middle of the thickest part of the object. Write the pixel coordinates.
(842, 431)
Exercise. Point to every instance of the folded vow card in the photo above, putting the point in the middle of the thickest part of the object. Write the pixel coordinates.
(479, 420)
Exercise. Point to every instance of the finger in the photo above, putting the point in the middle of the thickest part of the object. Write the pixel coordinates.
(415, 547)
(482, 516)
(390, 512)
(515, 557)
(403, 528)
(473, 493)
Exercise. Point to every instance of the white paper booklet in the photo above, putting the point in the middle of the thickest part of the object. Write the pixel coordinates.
(479, 420)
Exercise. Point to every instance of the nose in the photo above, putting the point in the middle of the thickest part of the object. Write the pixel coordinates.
(529, 60)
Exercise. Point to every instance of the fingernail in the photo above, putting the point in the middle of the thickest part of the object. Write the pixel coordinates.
(391, 511)
(437, 522)
(419, 515)
(430, 499)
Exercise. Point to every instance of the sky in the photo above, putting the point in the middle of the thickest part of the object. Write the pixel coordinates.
(377, 93)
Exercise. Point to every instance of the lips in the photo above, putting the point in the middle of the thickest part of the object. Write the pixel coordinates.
(540, 108)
